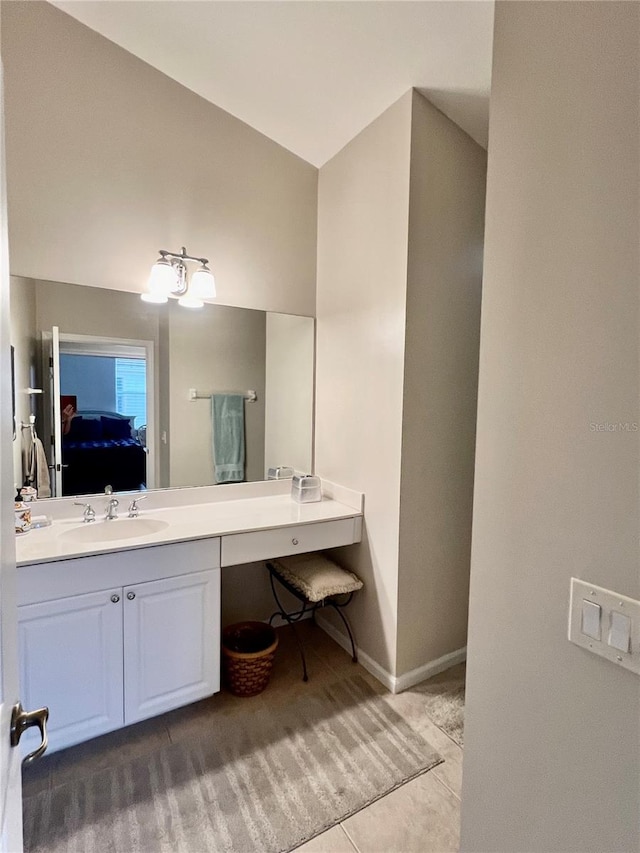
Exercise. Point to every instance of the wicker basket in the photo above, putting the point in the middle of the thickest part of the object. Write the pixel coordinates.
(248, 650)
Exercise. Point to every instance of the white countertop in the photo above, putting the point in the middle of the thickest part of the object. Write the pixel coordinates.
(183, 523)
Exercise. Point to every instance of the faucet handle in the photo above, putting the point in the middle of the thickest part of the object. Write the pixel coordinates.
(89, 513)
(133, 506)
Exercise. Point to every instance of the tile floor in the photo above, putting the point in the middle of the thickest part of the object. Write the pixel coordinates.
(422, 815)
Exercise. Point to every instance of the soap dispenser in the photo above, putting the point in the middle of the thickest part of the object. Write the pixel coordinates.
(22, 514)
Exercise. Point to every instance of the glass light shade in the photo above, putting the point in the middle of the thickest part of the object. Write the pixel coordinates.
(190, 302)
(163, 279)
(202, 284)
(157, 298)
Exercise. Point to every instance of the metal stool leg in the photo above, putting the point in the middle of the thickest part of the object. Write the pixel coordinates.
(336, 607)
(290, 621)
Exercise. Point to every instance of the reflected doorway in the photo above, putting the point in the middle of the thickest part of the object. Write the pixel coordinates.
(101, 409)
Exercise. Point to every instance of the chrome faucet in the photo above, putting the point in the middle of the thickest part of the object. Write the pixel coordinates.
(89, 513)
(111, 510)
(134, 512)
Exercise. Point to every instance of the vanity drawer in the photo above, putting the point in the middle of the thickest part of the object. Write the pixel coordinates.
(241, 548)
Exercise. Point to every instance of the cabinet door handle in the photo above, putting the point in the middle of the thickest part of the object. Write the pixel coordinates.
(131, 596)
(294, 541)
(115, 598)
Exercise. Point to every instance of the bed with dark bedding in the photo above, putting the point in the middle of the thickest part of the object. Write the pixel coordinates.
(100, 449)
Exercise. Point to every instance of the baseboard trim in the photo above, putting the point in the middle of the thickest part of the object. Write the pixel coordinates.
(385, 678)
(428, 670)
(391, 682)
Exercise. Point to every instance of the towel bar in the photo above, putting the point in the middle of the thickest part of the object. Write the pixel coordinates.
(250, 396)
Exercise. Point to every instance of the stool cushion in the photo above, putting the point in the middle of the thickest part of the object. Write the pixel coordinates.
(315, 576)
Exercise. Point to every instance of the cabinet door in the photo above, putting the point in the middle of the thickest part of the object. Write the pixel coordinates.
(71, 660)
(172, 643)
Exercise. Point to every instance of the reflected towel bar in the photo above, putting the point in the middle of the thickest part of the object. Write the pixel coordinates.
(249, 396)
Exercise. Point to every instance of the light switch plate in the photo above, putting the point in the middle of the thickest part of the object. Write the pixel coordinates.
(609, 602)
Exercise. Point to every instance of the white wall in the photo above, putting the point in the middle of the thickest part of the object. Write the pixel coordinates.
(289, 375)
(94, 311)
(552, 737)
(214, 350)
(246, 594)
(108, 161)
(22, 329)
(363, 215)
(400, 227)
(446, 224)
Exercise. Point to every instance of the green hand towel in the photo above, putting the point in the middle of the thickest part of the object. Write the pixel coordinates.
(228, 437)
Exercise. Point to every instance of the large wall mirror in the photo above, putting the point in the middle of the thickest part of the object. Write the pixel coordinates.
(127, 389)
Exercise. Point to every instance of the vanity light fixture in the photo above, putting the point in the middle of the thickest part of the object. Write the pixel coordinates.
(169, 278)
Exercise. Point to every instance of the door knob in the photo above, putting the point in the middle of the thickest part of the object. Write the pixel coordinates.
(131, 596)
(22, 720)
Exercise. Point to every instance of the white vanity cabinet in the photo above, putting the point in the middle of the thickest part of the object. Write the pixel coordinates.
(71, 660)
(171, 643)
(111, 657)
(113, 632)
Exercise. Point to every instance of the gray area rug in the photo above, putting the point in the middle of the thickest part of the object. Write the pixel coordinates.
(266, 787)
(445, 701)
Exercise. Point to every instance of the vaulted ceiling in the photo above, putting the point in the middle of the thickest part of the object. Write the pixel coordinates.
(312, 74)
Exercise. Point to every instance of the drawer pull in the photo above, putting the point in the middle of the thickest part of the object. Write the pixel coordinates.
(115, 598)
(294, 541)
(131, 596)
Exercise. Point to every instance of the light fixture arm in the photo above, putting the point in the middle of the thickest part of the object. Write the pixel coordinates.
(182, 256)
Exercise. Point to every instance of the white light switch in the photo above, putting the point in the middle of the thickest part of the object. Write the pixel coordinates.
(605, 623)
(591, 613)
(620, 631)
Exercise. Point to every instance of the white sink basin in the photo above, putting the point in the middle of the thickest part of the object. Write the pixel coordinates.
(112, 531)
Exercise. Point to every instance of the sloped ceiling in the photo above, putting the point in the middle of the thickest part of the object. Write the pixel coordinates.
(311, 75)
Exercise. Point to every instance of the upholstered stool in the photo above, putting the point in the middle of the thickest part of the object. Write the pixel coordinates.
(316, 581)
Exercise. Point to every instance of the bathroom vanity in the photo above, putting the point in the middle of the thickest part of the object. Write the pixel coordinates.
(120, 620)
